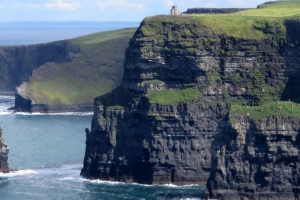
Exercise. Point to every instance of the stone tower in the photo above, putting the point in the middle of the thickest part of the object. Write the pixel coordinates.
(174, 10)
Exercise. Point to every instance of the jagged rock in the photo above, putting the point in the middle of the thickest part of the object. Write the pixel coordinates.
(4, 150)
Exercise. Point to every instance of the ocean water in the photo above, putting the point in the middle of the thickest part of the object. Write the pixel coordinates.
(25, 33)
(48, 150)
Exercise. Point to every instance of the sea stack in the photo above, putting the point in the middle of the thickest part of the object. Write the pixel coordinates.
(4, 150)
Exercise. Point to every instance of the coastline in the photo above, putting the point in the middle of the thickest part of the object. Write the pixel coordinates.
(23, 105)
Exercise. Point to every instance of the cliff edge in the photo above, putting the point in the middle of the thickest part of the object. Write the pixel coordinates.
(185, 79)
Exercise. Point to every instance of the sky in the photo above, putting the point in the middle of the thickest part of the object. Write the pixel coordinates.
(104, 10)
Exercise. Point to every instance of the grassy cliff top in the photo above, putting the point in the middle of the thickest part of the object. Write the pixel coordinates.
(276, 9)
(95, 68)
(103, 36)
(248, 24)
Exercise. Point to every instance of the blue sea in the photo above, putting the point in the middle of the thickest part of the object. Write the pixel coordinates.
(25, 33)
(48, 151)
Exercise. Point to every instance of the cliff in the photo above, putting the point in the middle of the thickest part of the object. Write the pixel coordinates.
(4, 150)
(18, 62)
(185, 77)
(256, 154)
(92, 66)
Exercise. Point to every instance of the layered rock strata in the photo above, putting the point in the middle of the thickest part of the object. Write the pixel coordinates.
(139, 135)
(256, 159)
(154, 144)
(4, 150)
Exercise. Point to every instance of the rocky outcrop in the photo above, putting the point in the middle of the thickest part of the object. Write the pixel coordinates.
(145, 132)
(4, 150)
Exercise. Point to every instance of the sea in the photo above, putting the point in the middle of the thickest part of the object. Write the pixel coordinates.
(36, 32)
(48, 151)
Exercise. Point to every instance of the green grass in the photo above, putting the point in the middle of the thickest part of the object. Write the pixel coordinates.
(277, 108)
(247, 27)
(278, 9)
(103, 36)
(69, 90)
(172, 97)
(249, 24)
(95, 69)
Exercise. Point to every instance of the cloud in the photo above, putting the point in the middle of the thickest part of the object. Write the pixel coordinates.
(102, 4)
(63, 5)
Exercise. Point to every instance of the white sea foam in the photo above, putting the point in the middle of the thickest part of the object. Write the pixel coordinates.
(67, 179)
(17, 173)
(5, 113)
(170, 185)
(6, 103)
(143, 185)
(102, 182)
(68, 170)
(7, 97)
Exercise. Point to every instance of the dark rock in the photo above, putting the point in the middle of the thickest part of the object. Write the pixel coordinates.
(153, 145)
(4, 150)
(135, 140)
(255, 159)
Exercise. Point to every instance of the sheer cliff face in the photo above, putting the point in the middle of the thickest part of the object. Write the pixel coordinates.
(144, 132)
(154, 144)
(18, 62)
(255, 155)
(138, 134)
(256, 159)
